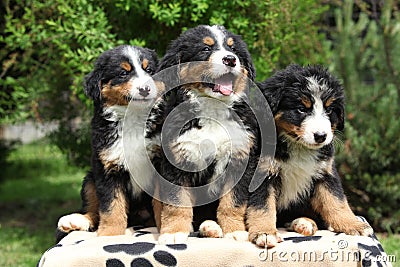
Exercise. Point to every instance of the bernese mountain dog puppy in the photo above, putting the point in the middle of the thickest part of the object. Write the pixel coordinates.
(308, 108)
(123, 92)
(215, 143)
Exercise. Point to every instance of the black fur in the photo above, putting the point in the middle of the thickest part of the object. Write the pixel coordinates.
(107, 177)
(284, 91)
(302, 180)
(189, 47)
(106, 68)
(104, 132)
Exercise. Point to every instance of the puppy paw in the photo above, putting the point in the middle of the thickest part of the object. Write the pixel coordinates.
(238, 235)
(353, 228)
(73, 222)
(266, 240)
(367, 231)
(175, 238)
(304, 226)
(210, 229)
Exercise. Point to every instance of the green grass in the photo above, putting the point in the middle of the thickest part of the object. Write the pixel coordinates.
(38, 186)
(391, 244)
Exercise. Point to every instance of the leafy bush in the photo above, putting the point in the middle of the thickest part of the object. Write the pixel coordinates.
(367, 49)
(48, 46)
(273, 29)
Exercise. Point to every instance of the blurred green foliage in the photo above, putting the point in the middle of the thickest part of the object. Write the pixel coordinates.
(48, 46)
(368, 60)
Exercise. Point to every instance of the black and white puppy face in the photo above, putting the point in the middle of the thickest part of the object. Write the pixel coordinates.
(308, 104)
(123, 74)
(226, 61)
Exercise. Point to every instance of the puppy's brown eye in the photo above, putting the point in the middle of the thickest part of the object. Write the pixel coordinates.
(302, 110)
(149, 70)
(124, 73)
(206, 49)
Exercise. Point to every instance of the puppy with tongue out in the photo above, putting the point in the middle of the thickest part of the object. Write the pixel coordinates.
(221, 77)
(223, 85)
(214, 69)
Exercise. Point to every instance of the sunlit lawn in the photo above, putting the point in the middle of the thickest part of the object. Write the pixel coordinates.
(38, 187)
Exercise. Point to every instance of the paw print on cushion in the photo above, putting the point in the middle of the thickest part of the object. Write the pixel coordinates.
(142, 262)
(114, 263)
(177, 246)
(140, 248)
(165, 258)
(298, 239)
(131, 249)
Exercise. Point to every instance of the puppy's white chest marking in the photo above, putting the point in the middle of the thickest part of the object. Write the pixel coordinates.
(130, 150)
(219, 139)
(297, 175)
(214, 139)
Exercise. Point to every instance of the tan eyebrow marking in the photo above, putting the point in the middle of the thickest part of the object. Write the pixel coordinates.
(145, 63)
(126, 66)
(208, 41)
(306, 102)
(229, 42)
(329, 101)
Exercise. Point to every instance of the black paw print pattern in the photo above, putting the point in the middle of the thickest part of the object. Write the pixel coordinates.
(140, 248)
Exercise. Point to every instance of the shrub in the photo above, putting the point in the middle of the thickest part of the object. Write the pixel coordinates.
(48, 46)
(367, 57)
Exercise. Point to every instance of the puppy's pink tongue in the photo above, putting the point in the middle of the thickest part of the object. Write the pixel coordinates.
(224, 86)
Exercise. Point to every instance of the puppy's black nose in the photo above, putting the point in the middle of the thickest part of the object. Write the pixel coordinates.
(319, 137)
(144, 91)
(229, 60)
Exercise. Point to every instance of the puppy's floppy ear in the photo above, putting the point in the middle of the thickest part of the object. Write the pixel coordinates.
(248, 64)
(340, 114)
(171, 58)
(273, 98)
(92, 84)
(272, 91)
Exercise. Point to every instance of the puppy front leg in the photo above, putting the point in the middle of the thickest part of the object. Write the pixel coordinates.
(261, 218)
(90, 219)
(113, 214)
(336, 212)
(175, 220)
(176, 224)
(231, 217)
(157, 209)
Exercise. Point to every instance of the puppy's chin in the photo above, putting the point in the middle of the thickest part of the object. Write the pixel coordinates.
(315, 146)
(142, 101)
(300, 142)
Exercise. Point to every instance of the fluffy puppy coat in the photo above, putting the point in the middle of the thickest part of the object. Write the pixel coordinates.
(308, 107)
(122, 89)
(212, 91)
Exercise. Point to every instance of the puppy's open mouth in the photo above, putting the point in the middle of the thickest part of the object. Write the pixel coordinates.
(133, 99)
(224, 84)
